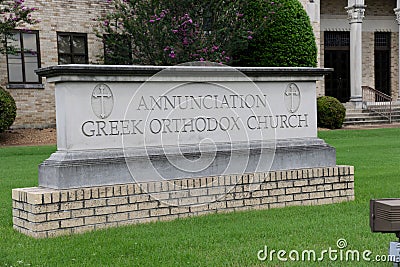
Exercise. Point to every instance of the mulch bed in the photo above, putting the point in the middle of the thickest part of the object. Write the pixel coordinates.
(28, 137)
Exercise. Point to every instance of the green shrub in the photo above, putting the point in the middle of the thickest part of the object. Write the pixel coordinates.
(240, 33)
(169, 32)
(8, 110)
(287, 39)
(330, 112)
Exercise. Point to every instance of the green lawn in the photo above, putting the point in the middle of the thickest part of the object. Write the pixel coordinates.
(223, 239)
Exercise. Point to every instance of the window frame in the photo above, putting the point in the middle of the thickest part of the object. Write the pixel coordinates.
(12, 84)
(72, 53)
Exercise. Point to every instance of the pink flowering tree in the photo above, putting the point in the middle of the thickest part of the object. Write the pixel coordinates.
(169, 32)
(13, 14)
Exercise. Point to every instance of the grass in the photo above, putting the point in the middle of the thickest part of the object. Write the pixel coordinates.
(223, 239)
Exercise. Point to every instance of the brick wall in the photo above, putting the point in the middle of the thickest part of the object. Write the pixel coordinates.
(333, 7)
(368, 69)
(374, 7)
(43, 212)
(394, 63)
(380, 8)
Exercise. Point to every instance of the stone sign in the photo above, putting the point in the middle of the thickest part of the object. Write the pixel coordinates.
(139, 144)
(143, 123)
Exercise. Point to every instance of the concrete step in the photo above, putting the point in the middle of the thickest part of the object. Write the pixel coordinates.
(364, 117)
(364, 122)
(368, 117)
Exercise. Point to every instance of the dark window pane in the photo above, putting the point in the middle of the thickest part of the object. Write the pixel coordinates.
(79, 59)
(65, 59)
(64, 44)
(79, 45)
(76, 52)
(21, 65)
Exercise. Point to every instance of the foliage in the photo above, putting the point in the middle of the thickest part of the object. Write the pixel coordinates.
(287, 40)
(13, 14)
(247, 33)
(169, 32)
(8, 110)
(330, 112)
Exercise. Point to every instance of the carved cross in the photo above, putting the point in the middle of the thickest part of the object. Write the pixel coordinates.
(102, 95)
(292, 93)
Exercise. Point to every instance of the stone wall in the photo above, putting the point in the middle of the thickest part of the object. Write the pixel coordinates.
(42, 212)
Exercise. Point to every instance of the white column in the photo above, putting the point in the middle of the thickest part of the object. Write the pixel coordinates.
(355, 10)
(397, 12)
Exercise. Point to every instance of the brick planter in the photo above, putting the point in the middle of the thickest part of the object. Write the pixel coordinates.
(43, 212)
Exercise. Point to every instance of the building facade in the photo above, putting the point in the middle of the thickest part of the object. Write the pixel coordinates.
(64, 34)
(358, 38)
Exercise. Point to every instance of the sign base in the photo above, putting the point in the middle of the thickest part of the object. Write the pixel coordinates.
(43, 212)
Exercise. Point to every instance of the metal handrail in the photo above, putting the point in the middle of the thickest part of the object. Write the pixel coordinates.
(377, 101)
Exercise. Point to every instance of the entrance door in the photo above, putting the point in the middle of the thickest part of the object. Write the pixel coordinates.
(382, 62)
(337, 56)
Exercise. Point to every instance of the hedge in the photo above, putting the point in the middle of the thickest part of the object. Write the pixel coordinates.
(330, 112)
(8, 110)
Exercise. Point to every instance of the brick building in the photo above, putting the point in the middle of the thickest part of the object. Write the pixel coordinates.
(359, 38)
(63, 35)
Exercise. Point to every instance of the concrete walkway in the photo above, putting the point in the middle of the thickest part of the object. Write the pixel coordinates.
(372, 126)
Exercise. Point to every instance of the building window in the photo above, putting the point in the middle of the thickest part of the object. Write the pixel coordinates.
(382, 62)
(24, 59)
(72, 48)
(337, 40)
